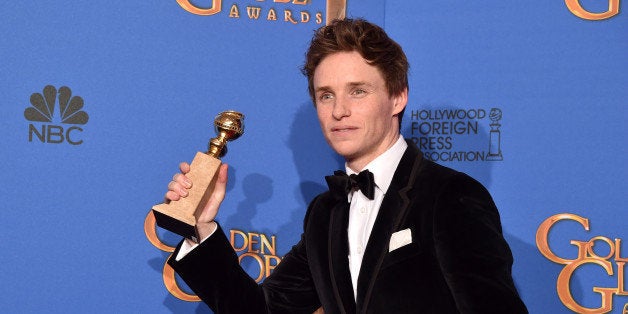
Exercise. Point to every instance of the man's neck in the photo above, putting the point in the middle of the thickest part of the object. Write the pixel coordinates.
(358, 164)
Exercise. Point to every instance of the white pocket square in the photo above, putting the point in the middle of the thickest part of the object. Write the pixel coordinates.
(399, 239)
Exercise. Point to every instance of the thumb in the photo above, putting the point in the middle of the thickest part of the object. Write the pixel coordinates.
(210, 210)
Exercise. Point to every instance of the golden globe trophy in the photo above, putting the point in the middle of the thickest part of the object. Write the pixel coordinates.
(180, 216)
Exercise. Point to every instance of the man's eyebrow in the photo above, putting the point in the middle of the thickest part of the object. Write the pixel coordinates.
(322, 89)
(357, 83)
(350, 84)
(360, 84)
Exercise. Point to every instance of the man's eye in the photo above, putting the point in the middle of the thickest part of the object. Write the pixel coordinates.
(359, 92)
(326, 96)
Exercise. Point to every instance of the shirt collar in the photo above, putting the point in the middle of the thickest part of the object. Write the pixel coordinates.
(383, 167)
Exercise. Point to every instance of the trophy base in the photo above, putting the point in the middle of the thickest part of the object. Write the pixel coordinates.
(175, 225)
(180, 216)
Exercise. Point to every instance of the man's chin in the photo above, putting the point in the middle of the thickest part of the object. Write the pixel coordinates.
(347, 154)
(342, 148)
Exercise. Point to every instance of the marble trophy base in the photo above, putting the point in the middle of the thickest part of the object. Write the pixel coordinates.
(180, 216)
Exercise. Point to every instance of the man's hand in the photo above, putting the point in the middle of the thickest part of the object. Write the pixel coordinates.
(179, 186)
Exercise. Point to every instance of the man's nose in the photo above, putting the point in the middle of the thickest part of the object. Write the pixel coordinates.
(341, 108)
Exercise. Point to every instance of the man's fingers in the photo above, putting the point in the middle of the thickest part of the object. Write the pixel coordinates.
(182, 180)
(179, 185)
(184, 167)
(172, 196)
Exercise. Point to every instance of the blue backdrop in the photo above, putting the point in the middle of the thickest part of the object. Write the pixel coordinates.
(103, 99)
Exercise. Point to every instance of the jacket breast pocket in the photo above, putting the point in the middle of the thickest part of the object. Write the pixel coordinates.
(401, 254)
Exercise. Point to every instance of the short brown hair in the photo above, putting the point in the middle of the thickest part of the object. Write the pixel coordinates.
(370, 41)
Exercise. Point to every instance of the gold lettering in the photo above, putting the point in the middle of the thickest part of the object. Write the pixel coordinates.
(269, 245)
(543, 231)
(260, 262)
(586, 255)
(618, 257)
(607, 300)
(564, 293)
(268, 265)
(287, 17)
(604, 239)
(582, 248)
(272, 15)
(302, 2)
(173, 287)
(252, 237)
(575, 8)
(253, 12)
(234, 12)
(305, 17)
(150, 229)
(215, 8)
(232, 239)
(621, 290)
(336, 9)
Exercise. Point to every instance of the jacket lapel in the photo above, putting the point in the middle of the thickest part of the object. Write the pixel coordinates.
(338, 261)
(391, 213)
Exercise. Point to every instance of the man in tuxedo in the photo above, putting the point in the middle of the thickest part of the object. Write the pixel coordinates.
(396, 233)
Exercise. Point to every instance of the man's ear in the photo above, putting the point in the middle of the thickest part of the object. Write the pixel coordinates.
(400, 101)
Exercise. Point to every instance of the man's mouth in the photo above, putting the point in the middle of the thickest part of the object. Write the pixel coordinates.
(342, 129)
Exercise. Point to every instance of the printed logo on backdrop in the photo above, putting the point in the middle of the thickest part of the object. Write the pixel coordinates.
(257, 254)
(289, 11)
(455, 134)
(576, 8)
(56, 127)
(586, 256)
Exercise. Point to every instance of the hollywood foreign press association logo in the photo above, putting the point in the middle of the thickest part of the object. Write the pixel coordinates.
(45, 126)
(456, 134)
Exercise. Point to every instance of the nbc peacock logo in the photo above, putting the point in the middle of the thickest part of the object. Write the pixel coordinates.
(42, 112)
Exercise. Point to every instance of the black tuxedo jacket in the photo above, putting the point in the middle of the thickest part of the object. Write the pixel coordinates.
(457, 262)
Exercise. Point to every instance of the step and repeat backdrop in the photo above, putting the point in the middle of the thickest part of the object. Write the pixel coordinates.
(103, 99)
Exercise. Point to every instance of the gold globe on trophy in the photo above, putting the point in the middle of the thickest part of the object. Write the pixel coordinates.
(229, 126)
(180, 216)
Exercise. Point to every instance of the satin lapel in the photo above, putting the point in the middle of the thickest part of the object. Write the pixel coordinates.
(338, 257)
(391, 213)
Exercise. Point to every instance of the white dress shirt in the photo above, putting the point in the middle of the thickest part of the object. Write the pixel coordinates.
(363, 212)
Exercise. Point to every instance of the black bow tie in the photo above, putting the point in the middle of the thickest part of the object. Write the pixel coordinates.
(340, 184)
